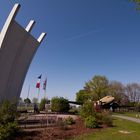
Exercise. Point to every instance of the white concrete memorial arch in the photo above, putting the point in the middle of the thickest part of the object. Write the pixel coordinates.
(17, 49)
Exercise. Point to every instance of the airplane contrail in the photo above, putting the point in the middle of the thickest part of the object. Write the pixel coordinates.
(81, 35)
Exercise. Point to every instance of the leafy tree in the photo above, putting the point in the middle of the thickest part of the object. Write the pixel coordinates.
(42, 103)
(82, 96)
(59, 104)
(137, 3)
(98, 87)
(94, 89)
(27, 101)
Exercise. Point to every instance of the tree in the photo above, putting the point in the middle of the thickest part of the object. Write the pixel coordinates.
(137, 3)
(117, 90)
(133, 92)
(42, 103)
(27, 101)
(94, 89)
(98, 87)
(82, 96)
(59, 104)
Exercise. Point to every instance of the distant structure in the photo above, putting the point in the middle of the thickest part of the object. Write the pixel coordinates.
(17, 48)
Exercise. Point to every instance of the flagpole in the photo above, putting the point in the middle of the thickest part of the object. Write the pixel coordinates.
(38, 94)
(45, 94)
(44, 87)
(38, 86)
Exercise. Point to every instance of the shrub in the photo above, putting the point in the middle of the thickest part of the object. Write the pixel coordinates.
(42, 104)
(8, 131)
(59, 104)
(91, 122)
(27, 101)
(87, 110)
(8, 125)
(138, 107)
(107, 120)
(8, 112)
(73, 111)
(62, 124)
(94, 119)
(104, 118)
(99, 118)
(69, 121)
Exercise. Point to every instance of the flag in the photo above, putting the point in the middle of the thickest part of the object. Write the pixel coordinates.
(38, 82)
(44, 84)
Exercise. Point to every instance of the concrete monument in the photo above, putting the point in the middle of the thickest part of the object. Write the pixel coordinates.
(17, 48)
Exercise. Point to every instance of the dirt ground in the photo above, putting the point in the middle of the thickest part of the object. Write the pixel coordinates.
(61, 132)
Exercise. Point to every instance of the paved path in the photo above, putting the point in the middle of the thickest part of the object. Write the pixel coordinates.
(127, 118)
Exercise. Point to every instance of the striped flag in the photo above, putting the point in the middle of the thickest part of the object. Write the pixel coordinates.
(38, 81)
(44, 84)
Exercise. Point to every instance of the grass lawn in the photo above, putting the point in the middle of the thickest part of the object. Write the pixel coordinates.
(122, 130)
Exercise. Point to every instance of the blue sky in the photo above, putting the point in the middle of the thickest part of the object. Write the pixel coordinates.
(84, 38)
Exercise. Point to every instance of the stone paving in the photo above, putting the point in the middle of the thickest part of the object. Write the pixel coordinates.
(127, 118)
